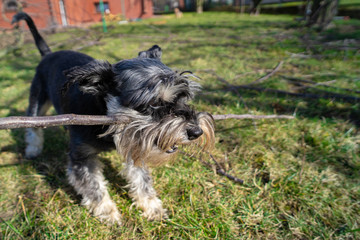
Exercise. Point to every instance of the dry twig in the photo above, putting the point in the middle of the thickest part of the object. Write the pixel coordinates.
(323, 84)
(250, 116)
(58, 120)
(88, 44)
(221, 171)
(73, 119)
(264, 78)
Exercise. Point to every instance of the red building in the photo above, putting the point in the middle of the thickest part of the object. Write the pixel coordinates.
(49, 13)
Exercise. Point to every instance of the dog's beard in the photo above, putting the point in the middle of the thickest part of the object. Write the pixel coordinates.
(152, 143)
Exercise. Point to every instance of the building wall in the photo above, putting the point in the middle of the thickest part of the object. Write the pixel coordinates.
(85, 10)
(37, 9)
(47, 13)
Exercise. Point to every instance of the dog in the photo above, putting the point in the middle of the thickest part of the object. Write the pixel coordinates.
(178, 13)
(153, 96)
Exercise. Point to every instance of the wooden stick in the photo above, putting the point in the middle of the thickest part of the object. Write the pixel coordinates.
(73, 119)
(324, 84)
(250, 116)
(262, 79)
(221, 171)
(58, 120)
(216, 167)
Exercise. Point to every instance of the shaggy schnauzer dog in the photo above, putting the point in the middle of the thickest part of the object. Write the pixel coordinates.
(145, 90)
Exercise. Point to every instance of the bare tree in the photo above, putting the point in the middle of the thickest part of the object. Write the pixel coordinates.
(242, 8)
(199, 6)
(322, 13)
(255, 8)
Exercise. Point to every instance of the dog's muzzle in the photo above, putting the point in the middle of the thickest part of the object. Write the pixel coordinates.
(193, 133)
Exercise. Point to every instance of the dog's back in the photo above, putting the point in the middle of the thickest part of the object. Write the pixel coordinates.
(50, 76)
(50, 73)
(46, 89)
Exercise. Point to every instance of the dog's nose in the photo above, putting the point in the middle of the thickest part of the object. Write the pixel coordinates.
(194, 133)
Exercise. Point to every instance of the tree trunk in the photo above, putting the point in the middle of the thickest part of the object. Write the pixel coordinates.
(237, 6)
(242, 9)
(255, 9)
(307, 10)
(322, 13)
(199, 6)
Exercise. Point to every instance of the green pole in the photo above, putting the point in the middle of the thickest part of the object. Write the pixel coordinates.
(103, 15)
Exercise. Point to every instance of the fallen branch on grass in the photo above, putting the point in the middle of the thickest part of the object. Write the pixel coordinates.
(264, 78)
(73, 119)
(221, 171)
(88, 44)
(325, 94)
(323, 84)
(221, 79)
(301, 86)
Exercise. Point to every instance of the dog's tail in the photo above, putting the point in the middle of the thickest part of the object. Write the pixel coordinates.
(39, 41)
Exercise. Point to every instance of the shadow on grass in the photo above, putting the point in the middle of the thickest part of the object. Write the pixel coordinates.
(314, 109)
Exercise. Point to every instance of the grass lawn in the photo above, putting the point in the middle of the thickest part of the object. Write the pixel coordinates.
(301, 177)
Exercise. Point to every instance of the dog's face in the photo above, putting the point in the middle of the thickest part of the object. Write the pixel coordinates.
(155, 98)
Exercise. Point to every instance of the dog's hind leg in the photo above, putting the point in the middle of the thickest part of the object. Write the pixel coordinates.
(142, 192)
(38, 105)
(85, 175)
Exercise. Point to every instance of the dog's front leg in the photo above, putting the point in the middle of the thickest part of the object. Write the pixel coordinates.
(142, 192)
(85, 175)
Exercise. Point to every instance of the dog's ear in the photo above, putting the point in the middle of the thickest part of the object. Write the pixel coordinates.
(153, 52)
(96, 77)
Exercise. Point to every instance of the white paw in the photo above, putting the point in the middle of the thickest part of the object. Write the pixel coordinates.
(114, 217)
(32, 152)
(34, 139)
(153, 210)
(105, 210)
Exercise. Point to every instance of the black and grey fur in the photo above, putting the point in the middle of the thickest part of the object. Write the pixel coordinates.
(152, 95)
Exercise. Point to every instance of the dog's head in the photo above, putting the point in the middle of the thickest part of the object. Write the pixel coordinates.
(155, 98)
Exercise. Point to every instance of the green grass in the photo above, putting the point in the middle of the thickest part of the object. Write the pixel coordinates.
(301, 176)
